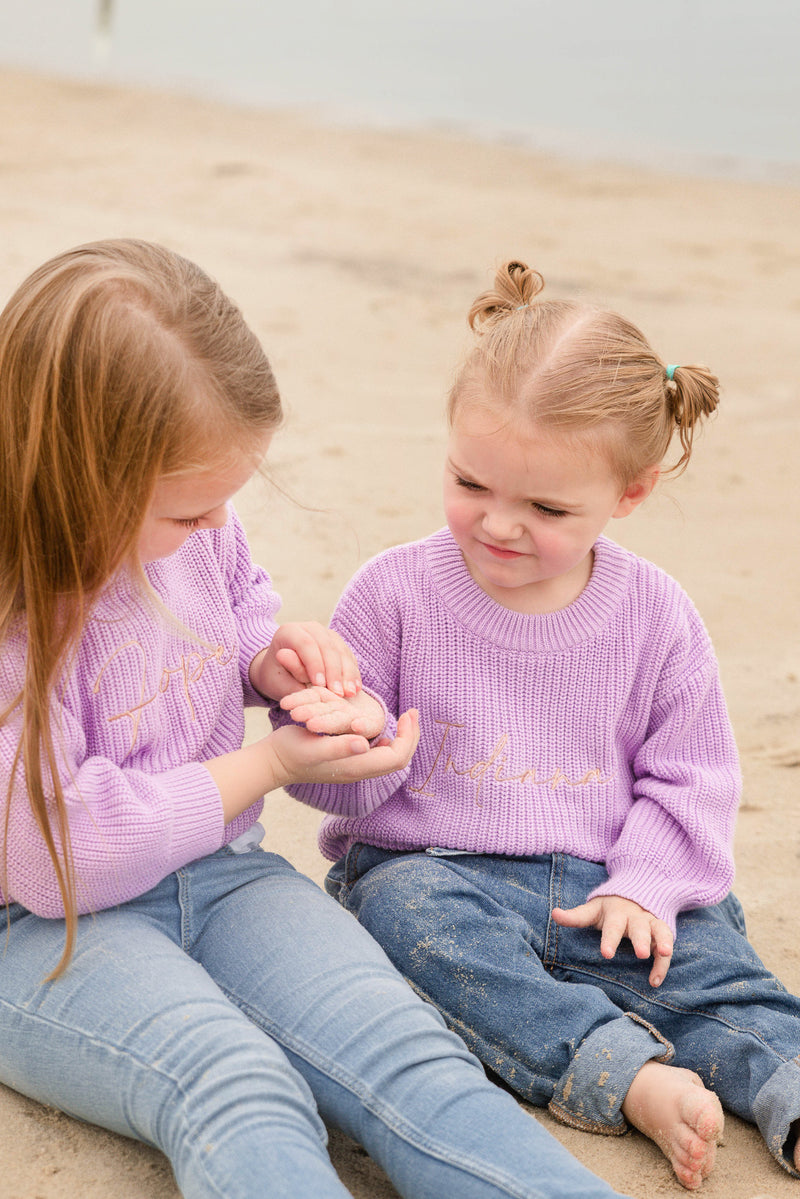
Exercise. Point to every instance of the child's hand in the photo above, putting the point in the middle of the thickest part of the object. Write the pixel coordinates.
(303, 757)
(307, 654)
(617, 918)
(321, 711)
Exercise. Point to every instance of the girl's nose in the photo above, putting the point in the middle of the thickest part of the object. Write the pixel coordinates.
(502, 525)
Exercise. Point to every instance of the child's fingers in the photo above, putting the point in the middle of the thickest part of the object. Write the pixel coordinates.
(380, 759)
(350, 674)
(342, 675)
(308, 695)
(289, 660)
(662, 953)
(331, 721)
(323, 656)
(614, 928)
(321, 711)
(617, 918)
(327, 659)
(303, 712)
(319, 656)
(659, 971)
(306, 642)
(407, 737)
(585, 915)
(398, 753)
(345, 758)
(342, 749)
(639, 932)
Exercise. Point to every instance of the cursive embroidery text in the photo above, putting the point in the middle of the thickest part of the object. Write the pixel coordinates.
(492, 767)
(187, 670)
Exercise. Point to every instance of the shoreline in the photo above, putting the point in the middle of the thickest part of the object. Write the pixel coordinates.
(354, 254)
(722, 101)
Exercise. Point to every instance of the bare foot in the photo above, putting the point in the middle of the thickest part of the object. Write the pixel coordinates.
(672, 1107)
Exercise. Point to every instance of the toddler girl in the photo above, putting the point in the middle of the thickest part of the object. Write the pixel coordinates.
(161, 975)
(577, 769)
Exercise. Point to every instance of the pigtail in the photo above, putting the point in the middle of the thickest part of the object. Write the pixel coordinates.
(692, 394)
(515, 286)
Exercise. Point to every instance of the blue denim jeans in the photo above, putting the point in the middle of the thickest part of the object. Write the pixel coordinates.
(560, 1024)
(228, 1013)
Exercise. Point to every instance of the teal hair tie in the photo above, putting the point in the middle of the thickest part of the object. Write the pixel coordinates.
(521, 306)
(671, 371)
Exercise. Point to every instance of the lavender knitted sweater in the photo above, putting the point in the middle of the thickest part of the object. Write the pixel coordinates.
(599, 730)
(142, 708)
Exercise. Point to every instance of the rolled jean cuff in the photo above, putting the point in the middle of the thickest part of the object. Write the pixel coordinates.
(590, 1093)
(776, 1109)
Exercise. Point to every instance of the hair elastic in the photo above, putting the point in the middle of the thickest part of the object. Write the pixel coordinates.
(671, 371)
(521, 306)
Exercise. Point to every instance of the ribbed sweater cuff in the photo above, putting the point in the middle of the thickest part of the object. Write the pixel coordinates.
(198, 827)
(252, 639)
(639, 881)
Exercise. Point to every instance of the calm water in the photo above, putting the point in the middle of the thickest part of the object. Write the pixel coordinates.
(709, 85)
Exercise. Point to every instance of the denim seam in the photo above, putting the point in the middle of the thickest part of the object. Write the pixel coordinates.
(553, 930)
(389, 1117)
(564, 1116)
(184, 903)
(351, 875)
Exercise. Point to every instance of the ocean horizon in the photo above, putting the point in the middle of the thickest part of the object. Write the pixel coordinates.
(698, 86)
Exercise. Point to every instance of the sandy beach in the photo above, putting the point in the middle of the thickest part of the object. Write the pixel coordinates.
(355, 256)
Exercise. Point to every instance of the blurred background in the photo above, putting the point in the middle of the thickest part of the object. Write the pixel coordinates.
(705, 86)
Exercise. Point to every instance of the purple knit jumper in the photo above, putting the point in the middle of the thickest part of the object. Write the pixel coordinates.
(598, 731)
(143, 706)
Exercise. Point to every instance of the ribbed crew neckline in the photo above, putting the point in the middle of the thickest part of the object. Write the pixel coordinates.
(542, 633)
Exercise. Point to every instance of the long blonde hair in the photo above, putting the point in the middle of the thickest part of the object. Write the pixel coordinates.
(582, 369)
(120, 362)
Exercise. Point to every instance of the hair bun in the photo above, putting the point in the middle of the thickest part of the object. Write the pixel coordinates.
(693, 394)
(515, 286)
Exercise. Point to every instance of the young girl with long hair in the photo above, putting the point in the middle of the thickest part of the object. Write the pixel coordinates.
(161, 975)
(577, 768)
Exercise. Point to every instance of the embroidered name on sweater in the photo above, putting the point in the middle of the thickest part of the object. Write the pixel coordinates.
(187, 670)
(494, 768)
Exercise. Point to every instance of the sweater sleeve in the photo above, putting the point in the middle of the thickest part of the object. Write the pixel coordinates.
(128, 829)
(675, 849)
(254, 603)
(368, 618)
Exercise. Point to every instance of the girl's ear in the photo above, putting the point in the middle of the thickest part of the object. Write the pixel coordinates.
(637, 491)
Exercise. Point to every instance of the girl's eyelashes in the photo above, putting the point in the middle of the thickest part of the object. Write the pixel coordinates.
(191, 523)
(468, 484)
(471, 485)
(545, 511)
